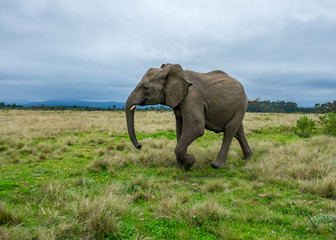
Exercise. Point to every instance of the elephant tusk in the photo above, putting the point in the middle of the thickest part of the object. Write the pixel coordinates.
(133, 107)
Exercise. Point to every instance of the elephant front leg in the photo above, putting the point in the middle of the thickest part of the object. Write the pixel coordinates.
(187, 137)
(178, 136)
(183, 159)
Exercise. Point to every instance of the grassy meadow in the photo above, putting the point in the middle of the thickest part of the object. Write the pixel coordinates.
(76, 175)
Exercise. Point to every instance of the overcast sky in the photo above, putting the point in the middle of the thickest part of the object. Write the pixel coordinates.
(99, 50)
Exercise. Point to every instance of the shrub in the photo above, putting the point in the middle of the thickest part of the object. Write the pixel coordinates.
(329, 122)
(305, 127)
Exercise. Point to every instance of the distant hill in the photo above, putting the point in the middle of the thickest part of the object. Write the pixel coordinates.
(71, 103)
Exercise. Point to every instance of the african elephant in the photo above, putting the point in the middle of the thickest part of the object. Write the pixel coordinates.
(213, 101)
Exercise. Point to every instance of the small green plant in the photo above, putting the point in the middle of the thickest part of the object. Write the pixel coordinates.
(305, 127)
(329, 122)
(323, 221)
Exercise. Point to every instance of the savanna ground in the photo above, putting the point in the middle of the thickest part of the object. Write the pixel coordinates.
(76, 175)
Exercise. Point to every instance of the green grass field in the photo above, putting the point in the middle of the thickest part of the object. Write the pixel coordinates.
(76, 175)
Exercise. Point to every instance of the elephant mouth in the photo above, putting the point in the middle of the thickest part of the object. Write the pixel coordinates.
(145, 102)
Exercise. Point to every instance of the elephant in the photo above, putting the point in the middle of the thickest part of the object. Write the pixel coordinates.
(213, 101)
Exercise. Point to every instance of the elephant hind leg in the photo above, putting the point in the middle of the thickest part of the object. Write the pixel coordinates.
(240, 136)
(222, 156)
(230, 131)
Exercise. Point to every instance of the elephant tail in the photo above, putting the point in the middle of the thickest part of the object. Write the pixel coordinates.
(252, 101)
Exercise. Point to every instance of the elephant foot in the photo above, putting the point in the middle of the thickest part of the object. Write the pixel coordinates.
(217, 164)
(187, 163)
(248, 156)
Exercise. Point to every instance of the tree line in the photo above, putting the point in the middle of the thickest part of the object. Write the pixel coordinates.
(277, 107)
(325, 107)
(259, 106)
(290, 107)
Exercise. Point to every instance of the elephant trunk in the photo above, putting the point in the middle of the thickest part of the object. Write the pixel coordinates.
(130, 108)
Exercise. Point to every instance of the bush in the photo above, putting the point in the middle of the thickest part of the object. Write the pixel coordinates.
(329, 122)
(305, 127)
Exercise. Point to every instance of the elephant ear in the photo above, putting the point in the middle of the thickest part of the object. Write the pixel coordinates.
(176, 86)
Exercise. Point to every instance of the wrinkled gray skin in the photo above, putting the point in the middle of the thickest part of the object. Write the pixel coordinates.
(213, 100)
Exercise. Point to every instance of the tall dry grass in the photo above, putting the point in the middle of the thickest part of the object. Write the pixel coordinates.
(7, 215)
(255, 121)
(41, 124)
(310, 163)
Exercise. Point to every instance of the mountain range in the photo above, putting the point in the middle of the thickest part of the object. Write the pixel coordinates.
(78, 103)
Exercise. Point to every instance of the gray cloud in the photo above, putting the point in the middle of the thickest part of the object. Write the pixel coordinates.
(100, 49)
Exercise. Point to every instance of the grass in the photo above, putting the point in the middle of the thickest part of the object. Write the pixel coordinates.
(76, 175)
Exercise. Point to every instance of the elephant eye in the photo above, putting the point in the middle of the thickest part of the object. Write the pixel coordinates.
(145, 88)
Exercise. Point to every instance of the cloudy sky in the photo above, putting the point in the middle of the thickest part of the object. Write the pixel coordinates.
(99, 50)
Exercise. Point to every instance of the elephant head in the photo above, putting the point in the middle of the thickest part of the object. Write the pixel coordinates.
(167, 85)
